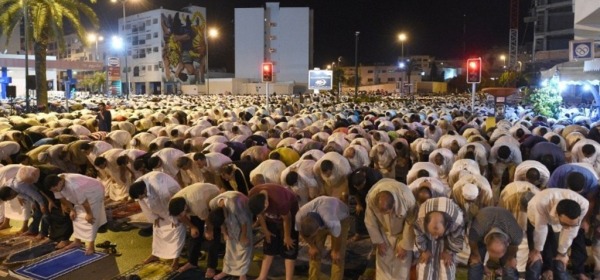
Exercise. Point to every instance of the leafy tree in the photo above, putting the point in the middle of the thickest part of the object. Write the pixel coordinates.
(350, 81)
(98, 81)
(545, 101)
(46, 23)
(513, 79)
(458, 84)
(433, 73)
(338, 78)
(94, 82)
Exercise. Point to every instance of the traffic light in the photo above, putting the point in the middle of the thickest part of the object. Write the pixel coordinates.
(474, 70)
(267, 72)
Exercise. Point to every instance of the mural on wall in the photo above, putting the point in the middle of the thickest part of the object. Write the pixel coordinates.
(184, 47)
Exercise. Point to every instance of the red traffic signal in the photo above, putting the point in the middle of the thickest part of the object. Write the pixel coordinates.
(267, 72)
(474, 70)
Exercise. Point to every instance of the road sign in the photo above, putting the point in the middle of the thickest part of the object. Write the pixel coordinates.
(320, 79)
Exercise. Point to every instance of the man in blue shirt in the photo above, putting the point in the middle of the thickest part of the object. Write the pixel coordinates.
(549, 154)
(582, 180)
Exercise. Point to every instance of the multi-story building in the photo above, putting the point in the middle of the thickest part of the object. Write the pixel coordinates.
(165, 49)
(281, 35)
(553, 29)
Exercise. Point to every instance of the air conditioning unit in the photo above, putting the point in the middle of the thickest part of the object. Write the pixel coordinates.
(272, 50)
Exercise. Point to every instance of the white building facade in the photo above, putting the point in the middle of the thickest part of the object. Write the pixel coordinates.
(282, 36)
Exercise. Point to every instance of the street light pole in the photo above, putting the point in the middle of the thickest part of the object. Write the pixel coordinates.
(206, 34)
(356, 64)
(340, 75)
(212, 33)
(125, 51)
(26, 30)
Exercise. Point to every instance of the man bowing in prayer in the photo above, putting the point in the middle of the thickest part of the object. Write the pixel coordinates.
(389, 216)
(439, 237)
(153, 191)
(84, 197)
(230, 211)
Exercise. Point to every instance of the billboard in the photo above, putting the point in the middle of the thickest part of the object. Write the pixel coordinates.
(320, 79)
(113, 72)
(184, 46)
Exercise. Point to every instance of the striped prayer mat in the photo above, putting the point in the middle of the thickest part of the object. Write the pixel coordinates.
(17, 243)
(59, 265)
(150, 271)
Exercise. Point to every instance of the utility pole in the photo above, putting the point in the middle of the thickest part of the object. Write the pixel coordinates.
(356, 64)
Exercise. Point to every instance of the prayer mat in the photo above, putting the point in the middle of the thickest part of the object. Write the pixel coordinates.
(30, 254)
(121, 211)
(149, 271)
(58, 265)
(16, 243)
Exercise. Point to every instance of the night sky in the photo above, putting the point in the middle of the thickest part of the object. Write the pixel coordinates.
(433, 27)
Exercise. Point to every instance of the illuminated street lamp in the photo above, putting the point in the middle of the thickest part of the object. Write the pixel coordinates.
(92, 37)
(402, 37)
(503, 58)
(212, 33)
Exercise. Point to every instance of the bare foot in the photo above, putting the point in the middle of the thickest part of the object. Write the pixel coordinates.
(210, 273)
(62, 244)
(354, 238)
(151, 259)
(175, 265)
(89, 250)
(185, 267)
(220, 276)
(40, 237)
(74, 244)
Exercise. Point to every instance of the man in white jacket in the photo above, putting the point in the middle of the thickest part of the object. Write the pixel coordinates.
(390, 214)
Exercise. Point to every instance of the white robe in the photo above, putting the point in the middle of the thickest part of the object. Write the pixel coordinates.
(167, 241)
(238, 257)
(78, 189)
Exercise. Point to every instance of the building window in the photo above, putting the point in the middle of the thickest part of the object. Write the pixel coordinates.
(155, 21)
(155, 49)
(156, 67)
(370, 71)
(136, 71)
(369, 80)
(149, 50)
(391, 79)
(143, 68)
(148, 36)
(155, 34)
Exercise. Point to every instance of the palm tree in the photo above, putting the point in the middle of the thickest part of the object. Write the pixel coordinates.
(45, 24)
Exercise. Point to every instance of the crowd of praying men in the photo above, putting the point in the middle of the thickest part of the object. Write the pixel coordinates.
(426, 180)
